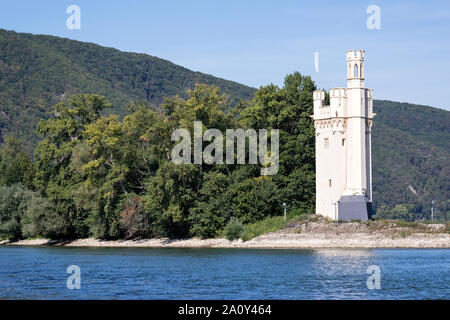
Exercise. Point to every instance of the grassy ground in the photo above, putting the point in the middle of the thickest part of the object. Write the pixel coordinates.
(414, 226)
(271, 224)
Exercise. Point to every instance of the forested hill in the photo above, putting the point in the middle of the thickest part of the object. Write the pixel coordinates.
(428, 124)
(411, 143)
(411, 157)
(37, 71)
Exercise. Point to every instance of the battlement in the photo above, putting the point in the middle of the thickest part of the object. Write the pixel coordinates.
(318, 101)
(319, 95)
(338, 101)
(355, 55)
(338, 93)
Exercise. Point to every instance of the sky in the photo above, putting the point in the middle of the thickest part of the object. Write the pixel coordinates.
(257, 42)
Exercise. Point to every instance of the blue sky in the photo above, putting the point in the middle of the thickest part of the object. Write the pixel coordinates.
(258, 42)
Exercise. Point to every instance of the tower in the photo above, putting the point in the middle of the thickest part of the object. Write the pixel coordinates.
(343, 146)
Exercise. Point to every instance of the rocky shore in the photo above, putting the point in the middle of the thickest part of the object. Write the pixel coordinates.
(310, 235)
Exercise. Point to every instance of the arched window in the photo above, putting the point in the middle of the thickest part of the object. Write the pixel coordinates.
(355, 71)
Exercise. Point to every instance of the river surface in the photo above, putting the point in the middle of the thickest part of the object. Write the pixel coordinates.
(141, 273)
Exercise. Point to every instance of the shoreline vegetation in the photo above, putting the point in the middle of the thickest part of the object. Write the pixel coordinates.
(95, 174)
(100, 163)
(311, 232)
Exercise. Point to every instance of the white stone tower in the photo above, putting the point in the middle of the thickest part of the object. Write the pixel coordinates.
(343, 146)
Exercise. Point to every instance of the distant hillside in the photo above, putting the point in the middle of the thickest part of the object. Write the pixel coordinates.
(411, 143)
(37, 71)
(428, 124)
(411, 156)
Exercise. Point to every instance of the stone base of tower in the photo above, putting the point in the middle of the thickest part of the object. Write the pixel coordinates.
(354, 207)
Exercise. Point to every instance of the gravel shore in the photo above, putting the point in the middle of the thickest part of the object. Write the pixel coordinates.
(276, 240)
(314, 232)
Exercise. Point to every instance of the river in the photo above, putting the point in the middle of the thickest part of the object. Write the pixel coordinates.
(169, 273)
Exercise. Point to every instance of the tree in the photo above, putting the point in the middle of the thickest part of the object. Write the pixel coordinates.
(289, 109)
(211, 210)
(168, 197)
(61, 133)
(15, 164)
(133, 218)
(404, 212)
(41, 220)
(14, 201)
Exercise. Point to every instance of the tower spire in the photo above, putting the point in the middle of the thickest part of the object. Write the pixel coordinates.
(355, 69)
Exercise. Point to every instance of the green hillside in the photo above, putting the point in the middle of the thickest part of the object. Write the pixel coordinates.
(37, 71)
(411, 143)
(409, 170)
(428, 124)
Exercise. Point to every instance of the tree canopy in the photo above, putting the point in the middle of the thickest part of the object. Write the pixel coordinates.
(103, 176)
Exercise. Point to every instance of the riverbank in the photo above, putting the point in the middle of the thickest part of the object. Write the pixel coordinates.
(308, 235)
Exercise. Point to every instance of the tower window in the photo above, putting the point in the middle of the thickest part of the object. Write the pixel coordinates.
(343, 142)
(329, 183)
(325, 143)
(355, 71)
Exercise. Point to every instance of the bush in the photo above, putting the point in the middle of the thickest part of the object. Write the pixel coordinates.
(133, 219)
(41, 220)
(24, 213)
(13, 204)
(269, 224)
(234, 229)
(272, 224)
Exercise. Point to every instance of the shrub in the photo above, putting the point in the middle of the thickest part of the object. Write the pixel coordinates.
(41, 219)
(272, 224)
(234, 229)
(133, 219)
(269, 224)
(24, 213)
(13, 204)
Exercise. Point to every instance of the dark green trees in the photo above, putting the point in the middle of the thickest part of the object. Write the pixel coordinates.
(107, 177)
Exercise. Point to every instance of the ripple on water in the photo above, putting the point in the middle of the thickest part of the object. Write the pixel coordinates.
(141, 273)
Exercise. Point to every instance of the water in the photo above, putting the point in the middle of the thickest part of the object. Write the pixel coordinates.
(138, 273)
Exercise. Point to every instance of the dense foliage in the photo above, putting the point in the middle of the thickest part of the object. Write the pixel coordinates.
(38, 71)
(103, 168)
(99, 175)
(234, 229)
(411, 161)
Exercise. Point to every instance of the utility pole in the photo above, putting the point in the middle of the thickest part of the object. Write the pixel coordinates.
(335, 213)
(284, 206)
